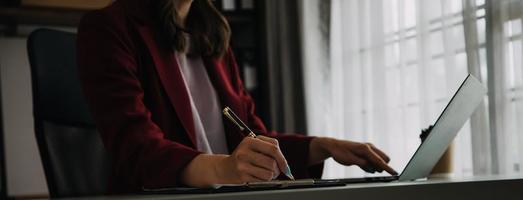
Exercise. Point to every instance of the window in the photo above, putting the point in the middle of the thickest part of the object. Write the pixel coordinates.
(506, 73)
(387, 68)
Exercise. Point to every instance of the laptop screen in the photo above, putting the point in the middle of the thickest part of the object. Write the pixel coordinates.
(464, 102)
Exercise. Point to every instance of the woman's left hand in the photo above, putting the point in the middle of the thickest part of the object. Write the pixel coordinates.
(365, 155)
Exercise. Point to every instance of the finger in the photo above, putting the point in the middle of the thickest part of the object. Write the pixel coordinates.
(249, 179)
(261, 160)
(363, 164)
(369, 169)
(272, 141)
(351, 159)
(268, 139)
(380, 153)
(270, 150)
(260, 173)
(379, 163)
(276, 172)
(389, 169)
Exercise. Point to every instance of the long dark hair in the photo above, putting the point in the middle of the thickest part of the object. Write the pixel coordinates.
(209, 30)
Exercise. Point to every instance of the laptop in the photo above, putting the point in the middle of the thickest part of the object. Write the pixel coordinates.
(464, 102)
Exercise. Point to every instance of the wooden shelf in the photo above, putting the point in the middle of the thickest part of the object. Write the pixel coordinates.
(69, 17)
(235, 18)
(40, 16)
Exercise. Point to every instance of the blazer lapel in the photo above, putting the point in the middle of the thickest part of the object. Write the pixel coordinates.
(170, 75)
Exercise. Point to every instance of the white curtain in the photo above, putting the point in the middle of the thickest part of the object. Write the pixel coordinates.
(382, 70)
(505, 80)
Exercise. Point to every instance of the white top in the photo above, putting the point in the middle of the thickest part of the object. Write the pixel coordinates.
(205, 105)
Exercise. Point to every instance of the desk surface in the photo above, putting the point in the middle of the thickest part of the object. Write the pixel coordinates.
(492, 187)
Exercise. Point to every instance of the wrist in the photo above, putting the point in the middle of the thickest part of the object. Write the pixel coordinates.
(326, 144)
(197, 173)
(221, 169)
(319, 150)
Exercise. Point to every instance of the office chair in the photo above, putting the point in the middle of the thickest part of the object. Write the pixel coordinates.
(3, 177)
(73, 156)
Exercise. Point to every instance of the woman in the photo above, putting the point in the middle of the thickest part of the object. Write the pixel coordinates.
(156, 74)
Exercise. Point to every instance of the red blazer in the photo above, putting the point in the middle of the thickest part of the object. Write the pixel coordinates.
(138, 100)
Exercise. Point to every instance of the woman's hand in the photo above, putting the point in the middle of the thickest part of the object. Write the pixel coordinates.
(365, 155)
(255, 159)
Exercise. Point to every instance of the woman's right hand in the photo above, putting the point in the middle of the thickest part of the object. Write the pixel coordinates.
(255, 159)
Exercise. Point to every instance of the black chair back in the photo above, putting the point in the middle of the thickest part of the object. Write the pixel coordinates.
(73, 156)
(3, 177)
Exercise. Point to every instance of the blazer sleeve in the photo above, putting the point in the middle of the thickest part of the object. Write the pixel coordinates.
(141, 155)
(294, 147)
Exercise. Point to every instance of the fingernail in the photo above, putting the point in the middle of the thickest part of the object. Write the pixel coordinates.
(288, 172)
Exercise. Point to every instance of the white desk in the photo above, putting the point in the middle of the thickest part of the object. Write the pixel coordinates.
(477, 188)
